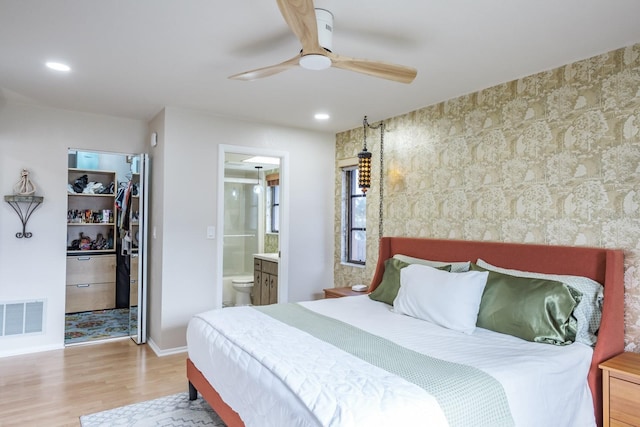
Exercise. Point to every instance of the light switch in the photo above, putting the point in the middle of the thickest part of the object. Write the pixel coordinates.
(211, 232)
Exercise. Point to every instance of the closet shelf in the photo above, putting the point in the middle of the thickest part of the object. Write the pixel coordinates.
(90, 223)
(89, 195)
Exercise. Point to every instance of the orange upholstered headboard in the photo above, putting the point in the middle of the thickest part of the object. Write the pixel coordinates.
(606, 266)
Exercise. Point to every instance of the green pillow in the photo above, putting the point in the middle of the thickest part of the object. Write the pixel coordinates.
(535, 310)
(388, 288)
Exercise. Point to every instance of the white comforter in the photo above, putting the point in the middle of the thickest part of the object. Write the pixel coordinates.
(545, 385)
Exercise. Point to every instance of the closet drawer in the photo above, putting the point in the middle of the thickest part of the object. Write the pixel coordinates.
(89, 297)
(84, 269)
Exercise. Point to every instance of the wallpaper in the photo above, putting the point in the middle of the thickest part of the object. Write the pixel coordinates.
(271, 243)
(551, 158)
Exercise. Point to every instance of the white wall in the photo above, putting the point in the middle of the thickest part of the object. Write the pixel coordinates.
(37, 138)
(155, 225)
(183, 201)
(189, 205)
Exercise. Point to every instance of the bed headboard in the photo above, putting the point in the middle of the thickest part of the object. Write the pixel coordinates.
(606, 266)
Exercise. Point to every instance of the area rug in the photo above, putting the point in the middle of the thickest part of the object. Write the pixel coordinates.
(170, 411)
(96, 325)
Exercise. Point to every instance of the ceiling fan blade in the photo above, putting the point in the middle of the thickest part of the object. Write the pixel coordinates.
(300, 16)
(267, 71)
(384, 70)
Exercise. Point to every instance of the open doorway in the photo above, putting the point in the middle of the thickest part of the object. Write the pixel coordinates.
(106, 250)
(252, 226)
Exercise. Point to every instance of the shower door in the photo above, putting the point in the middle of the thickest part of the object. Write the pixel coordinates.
(241, 225)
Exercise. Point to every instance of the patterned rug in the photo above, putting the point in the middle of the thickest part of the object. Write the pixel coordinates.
(170, 411)
(96, 325)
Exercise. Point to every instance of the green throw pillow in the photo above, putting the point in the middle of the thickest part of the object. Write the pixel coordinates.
(535, 310)
(388, 288)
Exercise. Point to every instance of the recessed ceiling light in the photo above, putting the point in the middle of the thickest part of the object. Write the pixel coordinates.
(263, 159)
(322, 116)
(58, 66)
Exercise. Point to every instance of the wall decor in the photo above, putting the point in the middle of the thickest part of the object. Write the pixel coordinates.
(24, 202)
(24, 187)
(24, 207)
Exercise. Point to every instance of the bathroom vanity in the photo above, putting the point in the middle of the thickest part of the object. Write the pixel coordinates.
(265, 279)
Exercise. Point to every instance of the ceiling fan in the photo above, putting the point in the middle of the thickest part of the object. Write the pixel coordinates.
(314, 29)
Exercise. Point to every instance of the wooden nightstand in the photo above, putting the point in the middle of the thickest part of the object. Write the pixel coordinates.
(621, 390)
(342, 292)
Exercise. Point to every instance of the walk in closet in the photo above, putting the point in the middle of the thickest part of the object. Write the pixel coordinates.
(106, 231)
(91, 230)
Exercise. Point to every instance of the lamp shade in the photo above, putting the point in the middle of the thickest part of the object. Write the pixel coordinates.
(364, 170)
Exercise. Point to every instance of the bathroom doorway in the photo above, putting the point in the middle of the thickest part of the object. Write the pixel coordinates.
(252, 226)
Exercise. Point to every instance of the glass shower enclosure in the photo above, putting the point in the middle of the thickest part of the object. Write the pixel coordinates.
(243, 229)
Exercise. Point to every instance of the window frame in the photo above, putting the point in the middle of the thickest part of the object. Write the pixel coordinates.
(350, 192)
(274, 225)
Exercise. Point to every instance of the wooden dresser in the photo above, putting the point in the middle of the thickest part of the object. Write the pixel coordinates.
(621, 390)
(341, 292)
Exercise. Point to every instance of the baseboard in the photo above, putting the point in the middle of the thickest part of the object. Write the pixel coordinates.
(30, 350)
(159, 352)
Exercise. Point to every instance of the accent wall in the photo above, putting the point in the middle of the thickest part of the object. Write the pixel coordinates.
(551, 158)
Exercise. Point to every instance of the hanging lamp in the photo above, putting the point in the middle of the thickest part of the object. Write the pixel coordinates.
(258, 187)
(364, 168)
(364, 162)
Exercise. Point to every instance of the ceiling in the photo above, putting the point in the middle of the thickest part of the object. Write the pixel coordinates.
(130, 58)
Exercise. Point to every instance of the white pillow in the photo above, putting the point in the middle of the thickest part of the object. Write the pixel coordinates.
(456, 267)
(451, 300)
(588, 312)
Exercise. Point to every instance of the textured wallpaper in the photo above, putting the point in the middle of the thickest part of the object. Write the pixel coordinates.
(271, 243)
(551, 158)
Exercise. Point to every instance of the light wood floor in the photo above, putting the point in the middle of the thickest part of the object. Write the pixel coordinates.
(54, 388)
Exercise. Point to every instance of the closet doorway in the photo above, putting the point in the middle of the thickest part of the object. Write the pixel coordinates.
(107, 205)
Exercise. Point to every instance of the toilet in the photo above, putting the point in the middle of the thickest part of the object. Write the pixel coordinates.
(242, 285)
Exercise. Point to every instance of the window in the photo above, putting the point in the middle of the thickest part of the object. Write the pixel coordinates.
(273, 202)
(354, 219)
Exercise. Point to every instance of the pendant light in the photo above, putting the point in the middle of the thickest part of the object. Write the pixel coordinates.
(364, 162)
(258, 187)
(364, 168)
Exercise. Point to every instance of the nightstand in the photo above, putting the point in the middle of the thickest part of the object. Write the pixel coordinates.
(621, 390)
(342, 292)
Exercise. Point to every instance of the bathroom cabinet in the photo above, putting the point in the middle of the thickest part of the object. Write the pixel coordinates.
(265, 282)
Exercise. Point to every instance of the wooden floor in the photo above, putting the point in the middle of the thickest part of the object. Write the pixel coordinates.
(54, 388)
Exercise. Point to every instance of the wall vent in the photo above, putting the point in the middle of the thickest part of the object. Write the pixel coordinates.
(21, 317)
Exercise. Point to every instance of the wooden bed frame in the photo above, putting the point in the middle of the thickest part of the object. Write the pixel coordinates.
(606, 266)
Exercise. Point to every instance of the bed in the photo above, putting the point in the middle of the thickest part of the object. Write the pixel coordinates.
(602, 265)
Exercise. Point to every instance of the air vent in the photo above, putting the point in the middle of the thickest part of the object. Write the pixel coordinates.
(21, 317)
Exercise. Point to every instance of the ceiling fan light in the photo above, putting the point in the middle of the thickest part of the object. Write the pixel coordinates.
(315, 62)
